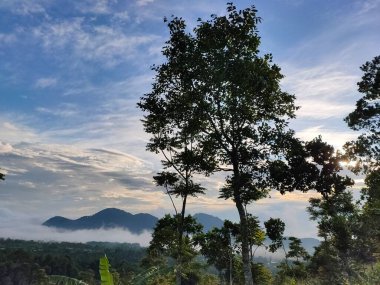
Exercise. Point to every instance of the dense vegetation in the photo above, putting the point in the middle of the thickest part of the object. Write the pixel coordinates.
(29, 262)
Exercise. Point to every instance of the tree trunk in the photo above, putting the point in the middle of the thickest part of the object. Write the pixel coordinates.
(248, 279)
(178, 277)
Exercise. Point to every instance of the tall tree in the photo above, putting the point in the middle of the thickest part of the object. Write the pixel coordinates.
(369, 221)
(366, 117)
(172, 121)
(366, 152)
(336, 214)
(217, 105)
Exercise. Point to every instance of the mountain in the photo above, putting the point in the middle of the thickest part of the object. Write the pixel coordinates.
(208, 221)
(107, 218)
(116, 218)
(309, 244)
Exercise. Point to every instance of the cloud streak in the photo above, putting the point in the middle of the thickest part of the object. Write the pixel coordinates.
(98, 43)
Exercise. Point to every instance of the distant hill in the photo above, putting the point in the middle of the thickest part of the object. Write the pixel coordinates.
(107, 218)
(116, 218)
(208, 221)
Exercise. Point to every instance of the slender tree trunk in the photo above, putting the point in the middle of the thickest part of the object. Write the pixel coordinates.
(178, 277)
(248, 279)
(231, 265)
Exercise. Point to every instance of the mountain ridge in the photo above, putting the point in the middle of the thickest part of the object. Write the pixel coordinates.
(116, 218)
(137, 223)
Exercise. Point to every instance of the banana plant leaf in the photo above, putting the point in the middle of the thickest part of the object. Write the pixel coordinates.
(105, 275)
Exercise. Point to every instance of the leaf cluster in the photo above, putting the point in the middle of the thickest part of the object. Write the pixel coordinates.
(366, 117)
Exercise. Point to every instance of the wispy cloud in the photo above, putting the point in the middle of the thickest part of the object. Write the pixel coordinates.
(23, 7)
(94, 7)
(104, 44)
(7, 38)
(74, 177)
(333, 136)
(5, 147)
(13, 132)
(46, 82)
(64, 110)
(144, 2)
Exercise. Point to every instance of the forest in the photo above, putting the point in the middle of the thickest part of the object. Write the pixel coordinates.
(216, 106)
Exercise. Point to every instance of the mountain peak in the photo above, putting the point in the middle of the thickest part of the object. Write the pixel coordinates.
(116, 218)
(107, 218)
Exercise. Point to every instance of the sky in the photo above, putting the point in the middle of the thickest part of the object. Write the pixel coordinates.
(71, 73)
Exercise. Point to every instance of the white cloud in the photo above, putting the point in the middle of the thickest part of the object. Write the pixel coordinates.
(12, 132)
(23, 7)
(105, 44)
(322, 91)
(45, 82)
(64, 110)
(121, 16)
(27, 184)
(7, 38)
(5, 147)
(368, 6)
(144, 2)
(335, 137)
(94, 6)
(321, 109)
(72, 178)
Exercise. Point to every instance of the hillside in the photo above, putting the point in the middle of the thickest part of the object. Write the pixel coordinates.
(116, 218)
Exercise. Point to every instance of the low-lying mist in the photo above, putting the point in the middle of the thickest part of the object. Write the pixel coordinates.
(20, 226)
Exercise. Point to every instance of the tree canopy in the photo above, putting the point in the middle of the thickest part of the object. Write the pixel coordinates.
(366, 117)
(219, 101)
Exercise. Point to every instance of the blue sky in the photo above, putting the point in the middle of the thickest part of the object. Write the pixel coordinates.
(71, 72)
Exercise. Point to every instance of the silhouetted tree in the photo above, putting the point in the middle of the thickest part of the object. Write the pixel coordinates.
(337, 217)
(173, 122)
(217, 105)
(275, 231)
(365, 151)
(296, 250)
(366, 117)
(368, 230)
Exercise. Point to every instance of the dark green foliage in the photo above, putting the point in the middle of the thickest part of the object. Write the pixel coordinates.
(164, 241)
(275, 231)
(369, 221)
(22, 273)
(222, 248)
(336, 258)
(79, 261)
(217, 247)
(166, 246)
(216, 105)
(327, 179)
(366, 117)
(294, 268)
(296, 251)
